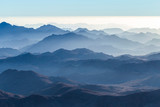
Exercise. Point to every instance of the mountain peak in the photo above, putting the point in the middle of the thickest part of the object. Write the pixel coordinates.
(81, 30)
(4, 24)
(49, 27)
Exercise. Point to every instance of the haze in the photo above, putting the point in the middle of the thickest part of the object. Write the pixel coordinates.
(102, 22)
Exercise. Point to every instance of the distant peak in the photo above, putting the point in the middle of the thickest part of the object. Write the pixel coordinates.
(48, 26)
(5, 24)
(81, 29)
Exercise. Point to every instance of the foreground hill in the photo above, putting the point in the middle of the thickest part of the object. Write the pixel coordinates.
(29, 82)
(94, 34)
(22, 82)
(85, 98)
(53, 92)
(26, 82)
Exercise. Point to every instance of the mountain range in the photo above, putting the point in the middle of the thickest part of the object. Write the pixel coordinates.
(52, 67)
(66, 41)
(83, 65)
(11, 33)
(50, 38)
(69, 95)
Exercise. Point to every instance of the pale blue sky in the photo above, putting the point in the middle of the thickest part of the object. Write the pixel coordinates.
(79, 8)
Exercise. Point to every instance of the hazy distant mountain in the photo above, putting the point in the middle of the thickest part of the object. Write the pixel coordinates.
(113, 30)
(66, 41)
(79, 54)
(144, 30)
(13, 30)
(108, 49)
(74, 40)
(117, 42)
(13, 33)
(90, 33)
(51, 29)
(17, 44)
(155, 42)
(103, 39)
(8, 52)
(147, 49)
(139, 37)
(38, 40)
(8, 29)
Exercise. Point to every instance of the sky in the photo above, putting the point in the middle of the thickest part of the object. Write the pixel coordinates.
(79, 8)
(94, 14)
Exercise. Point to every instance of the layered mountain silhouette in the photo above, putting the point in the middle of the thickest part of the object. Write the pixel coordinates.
(144, 30)
(155, 42)
(84, 65)
(85, 98)
(13, 30)
(29, 82)
(35, 40)
(12, 35)
(113, 30)
(94, 34)
(54, 42)
(139, 37)
(52, 67)
(81, 40)
(41, 39)
(26, 82)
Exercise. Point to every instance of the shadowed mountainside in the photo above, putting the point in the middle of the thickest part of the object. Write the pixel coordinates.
(84, 98)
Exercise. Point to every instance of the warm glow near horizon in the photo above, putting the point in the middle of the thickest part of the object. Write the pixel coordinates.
(97, 22)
